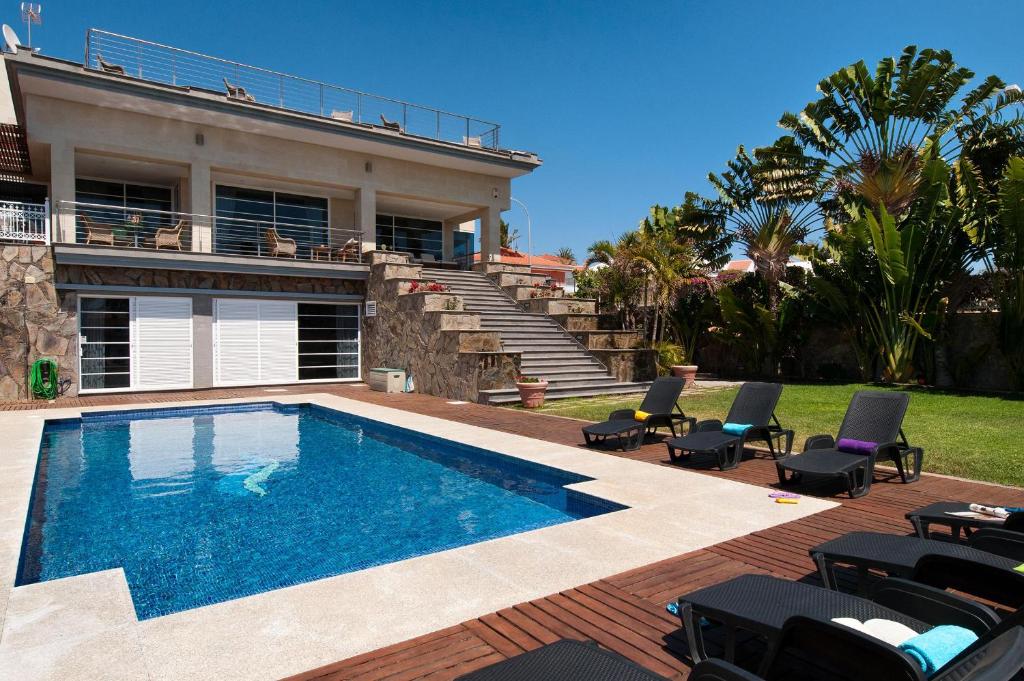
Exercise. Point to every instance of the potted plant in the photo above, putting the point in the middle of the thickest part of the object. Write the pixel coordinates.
(694, 308)
(531, 391)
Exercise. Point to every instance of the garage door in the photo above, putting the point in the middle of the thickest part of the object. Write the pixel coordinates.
(255, 342)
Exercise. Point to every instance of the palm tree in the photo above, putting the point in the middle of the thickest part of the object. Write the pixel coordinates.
(566, 255)
(509, 235)
(769, 201)
(602, 251)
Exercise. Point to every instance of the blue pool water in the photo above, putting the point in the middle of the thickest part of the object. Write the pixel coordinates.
(205, 505)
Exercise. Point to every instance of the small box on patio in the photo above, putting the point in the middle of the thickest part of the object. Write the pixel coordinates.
(387, 380)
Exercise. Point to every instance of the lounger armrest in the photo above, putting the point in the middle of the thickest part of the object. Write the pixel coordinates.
(819, 442)
(709, 424)
(933, 606)
(622, 415)
(720, 670)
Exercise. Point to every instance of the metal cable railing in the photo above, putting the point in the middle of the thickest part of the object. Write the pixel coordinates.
(123, 55)
(128, 227)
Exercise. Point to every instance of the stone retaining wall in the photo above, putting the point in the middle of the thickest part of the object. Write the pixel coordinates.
(36, 320)
(431, 337)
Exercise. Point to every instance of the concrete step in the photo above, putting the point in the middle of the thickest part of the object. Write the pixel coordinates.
(511, 396)
(561, 374)
(560, 361)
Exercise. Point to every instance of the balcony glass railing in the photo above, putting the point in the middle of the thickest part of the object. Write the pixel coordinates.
(122, 55)
(117, 226)
(25, 222)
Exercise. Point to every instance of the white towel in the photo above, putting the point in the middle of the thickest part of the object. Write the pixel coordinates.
(891, 632)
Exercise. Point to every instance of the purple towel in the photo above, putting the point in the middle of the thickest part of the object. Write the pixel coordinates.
(851, 446)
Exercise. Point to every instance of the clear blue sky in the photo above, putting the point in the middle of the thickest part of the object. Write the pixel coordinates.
(628, 103)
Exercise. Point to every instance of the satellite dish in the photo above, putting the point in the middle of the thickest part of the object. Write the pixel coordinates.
(11, 39)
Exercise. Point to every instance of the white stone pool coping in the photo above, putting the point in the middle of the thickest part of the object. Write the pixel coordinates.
(84, 627)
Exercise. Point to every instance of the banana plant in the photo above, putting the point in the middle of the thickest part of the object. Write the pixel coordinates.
(898, 147)
(1009, 261)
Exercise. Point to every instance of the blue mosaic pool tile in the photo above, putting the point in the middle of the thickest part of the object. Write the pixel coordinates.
(205, 504)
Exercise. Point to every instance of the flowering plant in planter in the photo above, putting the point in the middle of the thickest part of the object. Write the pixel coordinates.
(531, 391)
(543, 291)
(429, 287)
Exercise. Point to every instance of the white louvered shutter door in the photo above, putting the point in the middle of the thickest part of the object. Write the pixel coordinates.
(161, 331)
(279, 342)
(236, 342)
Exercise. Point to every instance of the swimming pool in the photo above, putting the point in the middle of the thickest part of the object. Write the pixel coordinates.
(207, 504)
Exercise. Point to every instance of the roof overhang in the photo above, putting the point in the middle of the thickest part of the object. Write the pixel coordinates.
(59, 79)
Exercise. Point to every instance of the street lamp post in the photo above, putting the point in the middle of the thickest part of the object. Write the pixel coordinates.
(529, 233)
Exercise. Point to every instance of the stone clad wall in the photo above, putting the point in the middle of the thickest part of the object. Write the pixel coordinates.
(36, 321)
(444, 349)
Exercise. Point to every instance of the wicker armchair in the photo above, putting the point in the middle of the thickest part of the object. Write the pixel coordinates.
(169, 237)
(94, 234)
(350, 251)
(280, 246)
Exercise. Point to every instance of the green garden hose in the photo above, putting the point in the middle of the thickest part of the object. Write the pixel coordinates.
(43, 388)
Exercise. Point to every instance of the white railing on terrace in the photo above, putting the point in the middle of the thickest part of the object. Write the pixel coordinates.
(25, 222)
(136, 58)
(103, 225)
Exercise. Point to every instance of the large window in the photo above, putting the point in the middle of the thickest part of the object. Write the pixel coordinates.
(138, 343)
(464, 246)
(328, 341)
(244, 216)
(127, 209)
(104, 327)
(409, 235)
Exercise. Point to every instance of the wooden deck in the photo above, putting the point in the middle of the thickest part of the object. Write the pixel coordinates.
(626, 612)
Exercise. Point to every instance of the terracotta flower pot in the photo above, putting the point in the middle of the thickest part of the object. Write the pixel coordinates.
(532, 394)
(687, 372)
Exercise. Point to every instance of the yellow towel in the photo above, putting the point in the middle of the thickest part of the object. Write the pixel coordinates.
(641, 415)
(785, 501)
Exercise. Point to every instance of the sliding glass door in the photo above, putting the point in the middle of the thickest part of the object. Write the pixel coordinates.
(244, 215)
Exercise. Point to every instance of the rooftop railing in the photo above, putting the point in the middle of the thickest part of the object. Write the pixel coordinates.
(127, 227)
(123, 55)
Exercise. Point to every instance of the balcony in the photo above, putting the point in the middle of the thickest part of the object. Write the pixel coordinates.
(121, 55)
(25, 222)
(110, 235)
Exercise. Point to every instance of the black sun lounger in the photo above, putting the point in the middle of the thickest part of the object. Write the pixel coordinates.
(938, 563)
(564, 660)
(762, 605)
(754, 405)
(661, 404)
(939, 514)
(813, 650)
(873, 418)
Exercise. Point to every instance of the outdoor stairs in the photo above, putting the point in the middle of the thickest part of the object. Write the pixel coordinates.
(548, 351)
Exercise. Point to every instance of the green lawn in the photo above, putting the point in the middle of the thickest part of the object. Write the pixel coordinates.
(970, 436)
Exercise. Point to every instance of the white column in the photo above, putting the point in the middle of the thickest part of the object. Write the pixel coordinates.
(448, 229)
(62, 188)
(490, 235)
(366, 216)
(200, 191)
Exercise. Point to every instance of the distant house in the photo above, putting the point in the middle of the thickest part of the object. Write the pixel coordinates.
(557, 269)
(745, 266)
